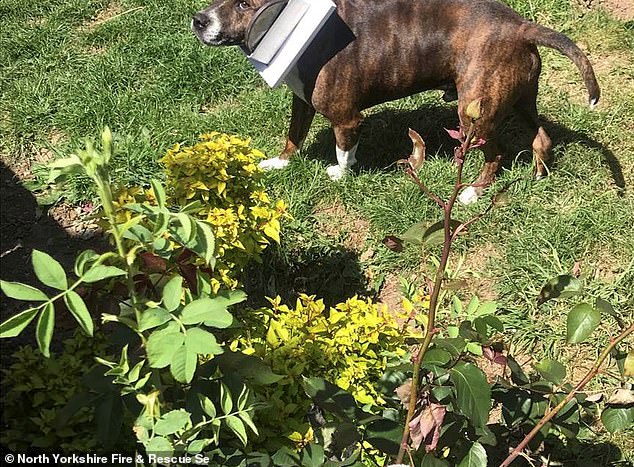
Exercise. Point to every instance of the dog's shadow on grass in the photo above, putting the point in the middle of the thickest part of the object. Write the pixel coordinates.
(384, 139)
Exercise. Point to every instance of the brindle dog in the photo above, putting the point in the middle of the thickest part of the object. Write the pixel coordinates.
(373, 51)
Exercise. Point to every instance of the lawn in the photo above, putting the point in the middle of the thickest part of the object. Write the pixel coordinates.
(71, 67)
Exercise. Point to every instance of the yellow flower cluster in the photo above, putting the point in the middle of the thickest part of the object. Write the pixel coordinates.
(348, 345)
(221, 171)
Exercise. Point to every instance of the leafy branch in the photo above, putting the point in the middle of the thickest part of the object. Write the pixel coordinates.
(468, 142)
(580, 385)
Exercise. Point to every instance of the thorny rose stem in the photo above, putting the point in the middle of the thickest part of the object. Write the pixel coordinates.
(440, 273)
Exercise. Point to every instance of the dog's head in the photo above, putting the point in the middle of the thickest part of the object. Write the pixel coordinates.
(225, 22)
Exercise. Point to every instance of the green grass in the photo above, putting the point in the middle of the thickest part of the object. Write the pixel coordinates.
(68, 69)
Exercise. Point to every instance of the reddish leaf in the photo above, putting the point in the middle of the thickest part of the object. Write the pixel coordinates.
(477, 142)
(494, 356)
(455, 134)
(188, 271)
(393, 243)
(153, 263)
(425, 428)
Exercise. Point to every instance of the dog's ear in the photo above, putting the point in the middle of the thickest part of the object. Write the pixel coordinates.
(417, 157)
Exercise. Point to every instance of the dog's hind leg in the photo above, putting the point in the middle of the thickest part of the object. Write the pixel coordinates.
(302, 115)
(526, 108)
(347, 140)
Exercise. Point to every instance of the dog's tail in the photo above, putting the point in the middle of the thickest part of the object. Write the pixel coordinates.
(540, 35)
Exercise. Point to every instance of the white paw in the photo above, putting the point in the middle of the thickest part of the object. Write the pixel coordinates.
(336, 172)
(468, 196)
(273, 163)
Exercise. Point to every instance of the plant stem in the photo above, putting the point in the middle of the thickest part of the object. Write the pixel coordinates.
(105, 193)
(547, 417)
(430, 328)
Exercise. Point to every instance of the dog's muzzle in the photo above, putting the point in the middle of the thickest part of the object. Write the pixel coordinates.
(207, 28)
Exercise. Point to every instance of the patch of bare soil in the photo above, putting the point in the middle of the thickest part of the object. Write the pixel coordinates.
(113, 9)
(390, 293)
(37, 155)
(334, 221)
(621, 9)
(476, 277)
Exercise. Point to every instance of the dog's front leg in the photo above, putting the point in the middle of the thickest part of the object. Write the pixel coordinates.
(301, 117)
(347, 141)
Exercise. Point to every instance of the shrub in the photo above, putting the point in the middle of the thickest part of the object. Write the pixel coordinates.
(36, 390)
(169, 317)
(221, 172)
(349, 344)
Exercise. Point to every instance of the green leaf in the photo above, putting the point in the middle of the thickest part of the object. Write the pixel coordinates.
(109, 418)
(183, 365)
(14, 325)
(551, 370)
(205, 243)
(331, 398)
(213, 311)
(437, 356)
(186, 232)
(139, 234)
(430, 461)
(473, 305)
(563, 286)
(100, 272)
(603, 306)
(161, 224)
(313, 455)
(159, 192)
(236, 425)
(582, 321)
(246, 418)
(78, 309)
(198, 445)
(207, 405)
(617, 418)
(162, 345)
(385, 435)
(202, 342)
(171, 422)
(44, 332)
(455, 346)
(473, 393)
(172, 293)
(64, 166)
(474, 348)
(153, 317)
(285, 457)
(48, 270)
(159, 446)
(517, 374)
(85, 258)
(248, 367)
(226, 404)
(476, 457)
(487, 308)
(21, 291)
(435, 233)
(415, 233)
